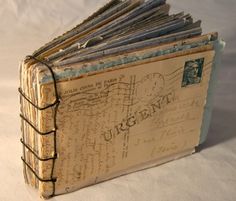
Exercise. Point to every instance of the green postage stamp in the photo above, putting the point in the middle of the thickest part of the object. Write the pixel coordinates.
(193, 72)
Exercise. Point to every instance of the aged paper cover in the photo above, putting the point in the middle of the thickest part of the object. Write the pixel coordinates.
(111, 123)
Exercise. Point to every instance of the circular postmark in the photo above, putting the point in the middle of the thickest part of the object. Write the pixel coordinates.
(150, 87)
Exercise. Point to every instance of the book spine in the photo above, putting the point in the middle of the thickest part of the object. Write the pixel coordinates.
(38, 135)
(27, 118)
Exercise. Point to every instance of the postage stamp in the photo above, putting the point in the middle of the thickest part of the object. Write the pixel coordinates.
(193, 72)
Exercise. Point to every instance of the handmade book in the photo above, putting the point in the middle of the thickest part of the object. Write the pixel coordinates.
(129, 88)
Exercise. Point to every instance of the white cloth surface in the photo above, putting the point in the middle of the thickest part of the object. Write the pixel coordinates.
(206, 176)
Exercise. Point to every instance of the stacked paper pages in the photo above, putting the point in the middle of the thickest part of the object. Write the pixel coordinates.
(128, 88)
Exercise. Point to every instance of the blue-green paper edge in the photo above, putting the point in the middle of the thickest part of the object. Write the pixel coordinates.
(70, 73)
(219, 47)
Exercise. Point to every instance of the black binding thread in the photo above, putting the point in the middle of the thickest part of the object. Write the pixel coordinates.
(40, 179)
(53, 131)
(35, 154)
(35, 129)
(36, 106)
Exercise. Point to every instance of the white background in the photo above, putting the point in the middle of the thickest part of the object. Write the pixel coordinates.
(206, 176)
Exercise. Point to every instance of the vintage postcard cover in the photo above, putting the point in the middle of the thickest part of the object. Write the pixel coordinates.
(155, 115)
